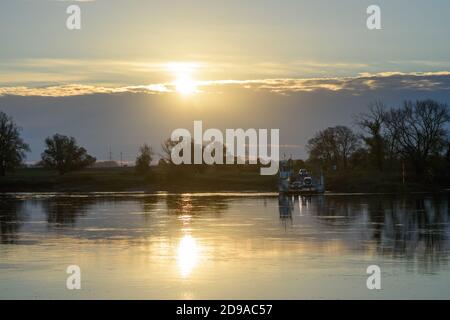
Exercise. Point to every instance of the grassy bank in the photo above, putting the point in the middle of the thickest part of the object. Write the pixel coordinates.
(227, 178)
(126, 179)
(379, 182)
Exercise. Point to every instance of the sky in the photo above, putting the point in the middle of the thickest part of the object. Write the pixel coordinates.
(139, 69)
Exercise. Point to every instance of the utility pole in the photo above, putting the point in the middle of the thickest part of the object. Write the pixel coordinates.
(121, 164)
(110, 154)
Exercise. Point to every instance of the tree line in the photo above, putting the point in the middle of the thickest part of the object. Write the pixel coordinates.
(61, 152)
(413, 135)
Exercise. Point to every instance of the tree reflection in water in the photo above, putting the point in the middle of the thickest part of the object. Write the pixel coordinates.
(411, 227)
(63, 211)
(12, 216)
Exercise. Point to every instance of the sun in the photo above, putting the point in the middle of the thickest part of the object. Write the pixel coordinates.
(183, 83)
(185, 86)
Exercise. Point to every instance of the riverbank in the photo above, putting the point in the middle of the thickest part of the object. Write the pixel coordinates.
(229, 178)
(126, 179)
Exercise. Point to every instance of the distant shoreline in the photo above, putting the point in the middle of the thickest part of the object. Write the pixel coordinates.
(231, 179)
(226, 194)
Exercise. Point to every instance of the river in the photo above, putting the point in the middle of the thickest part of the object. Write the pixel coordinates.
(224, 246)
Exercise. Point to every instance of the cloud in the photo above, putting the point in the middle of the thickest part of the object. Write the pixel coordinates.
(426, 81)
(42, 71)
(13, 72)
(364, 82)
(79, 90)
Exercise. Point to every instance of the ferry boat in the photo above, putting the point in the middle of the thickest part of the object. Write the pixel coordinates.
(301, 183)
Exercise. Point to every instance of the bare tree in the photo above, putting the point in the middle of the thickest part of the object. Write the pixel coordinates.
(447, 154)
(12, 147)
(167, 147)
(347, 143)
(322, 149)
(420, 130)
(333, 146)
(373, 123)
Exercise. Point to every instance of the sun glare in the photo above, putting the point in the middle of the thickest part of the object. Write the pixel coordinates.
(188, 255)
(184, 84)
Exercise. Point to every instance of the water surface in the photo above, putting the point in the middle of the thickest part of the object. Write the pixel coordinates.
(223, 246)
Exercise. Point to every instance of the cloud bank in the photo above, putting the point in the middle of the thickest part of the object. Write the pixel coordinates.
(426, 81)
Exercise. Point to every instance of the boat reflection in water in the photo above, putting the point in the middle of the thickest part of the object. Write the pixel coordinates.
(285, 207)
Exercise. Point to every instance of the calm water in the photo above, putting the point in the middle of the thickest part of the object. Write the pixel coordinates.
(223, 246)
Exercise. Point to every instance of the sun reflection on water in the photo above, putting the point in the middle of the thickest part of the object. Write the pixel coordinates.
(188, 255)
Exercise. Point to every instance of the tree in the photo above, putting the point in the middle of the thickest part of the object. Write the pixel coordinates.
(167, 147)
(420, 130)
(63, 154)
(447, 154)
(347, 143)
(373, 123)
(144, 159)
(12, 147)
(333, 146)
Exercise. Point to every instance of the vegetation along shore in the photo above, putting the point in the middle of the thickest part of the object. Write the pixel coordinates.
(399, 149)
